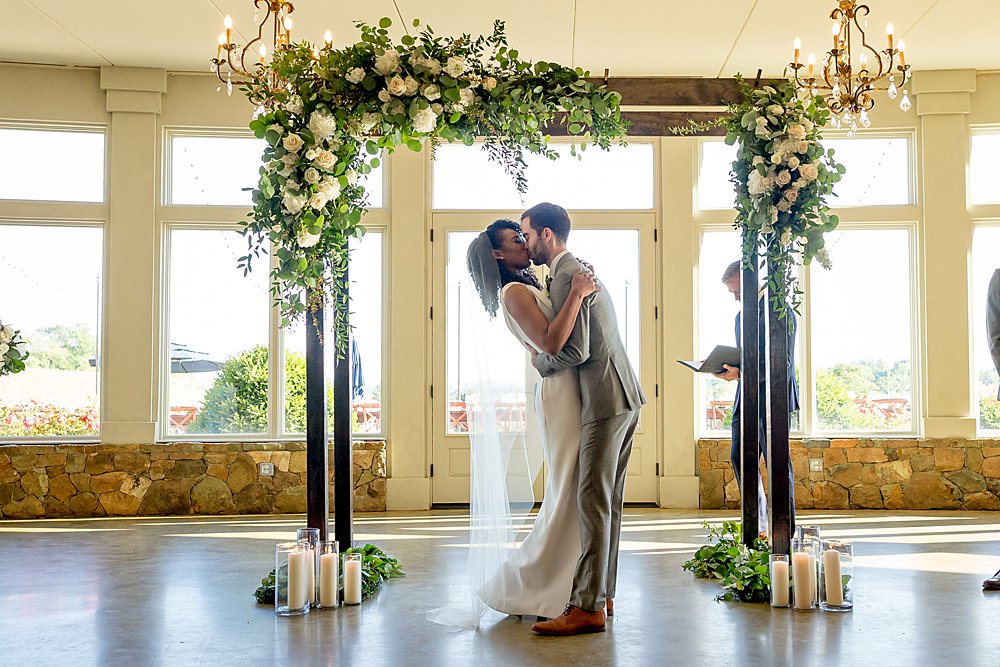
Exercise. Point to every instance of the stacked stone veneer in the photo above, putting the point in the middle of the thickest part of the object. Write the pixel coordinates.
(39, 481)
(872, 474)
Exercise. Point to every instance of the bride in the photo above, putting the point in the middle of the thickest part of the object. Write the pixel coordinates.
(535, 579)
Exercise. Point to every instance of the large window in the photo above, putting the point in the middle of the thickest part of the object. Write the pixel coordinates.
(984, 170)
(985, 261)
(717, 318)
(878, 172)
(51, 277)
(621, 178)
(860, 331)
(366, 285)
(217, 336)
(52, 165)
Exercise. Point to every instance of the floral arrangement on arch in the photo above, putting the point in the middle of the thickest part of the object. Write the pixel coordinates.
(782, 175)
(328, 114)
(13, 350)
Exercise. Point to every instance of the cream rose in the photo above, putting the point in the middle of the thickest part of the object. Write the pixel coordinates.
(782, 178)
(293, 203)
(757, 159)
(791, 195)
(292, 143)
(808, 172)
(425, 121)
(396, 85)
(796, 131)
(326, 160)
(384, 96)
(352, 177)
(793, 162)
(6, 334)
(306, 239)
(311, 176)
(318, 200)
(802, 147)
(330, 187)
(784, 206)
(489, 83)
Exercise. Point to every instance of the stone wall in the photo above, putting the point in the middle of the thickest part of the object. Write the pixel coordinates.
(39, 481)
(871, 474)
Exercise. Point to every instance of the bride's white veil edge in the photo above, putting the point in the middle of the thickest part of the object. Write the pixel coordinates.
(502, 467)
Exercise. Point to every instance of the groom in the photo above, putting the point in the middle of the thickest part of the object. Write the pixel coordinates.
(610, 402)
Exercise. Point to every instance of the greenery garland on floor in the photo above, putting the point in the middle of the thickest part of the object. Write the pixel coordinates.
(744, 571)
(328, 114)
(377, 567)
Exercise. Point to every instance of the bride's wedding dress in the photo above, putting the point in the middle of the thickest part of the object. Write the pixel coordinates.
(538, 578)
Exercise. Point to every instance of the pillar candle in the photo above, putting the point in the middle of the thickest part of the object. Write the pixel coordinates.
(779, 583)
(832, 577)
(802, 581)
(328, 580)
(298, 579)
(352, 582)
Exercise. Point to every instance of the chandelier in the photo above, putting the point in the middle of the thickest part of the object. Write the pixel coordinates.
(245, 60)
(852, 70)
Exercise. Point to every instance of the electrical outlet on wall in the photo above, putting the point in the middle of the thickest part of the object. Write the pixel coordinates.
(266, 469)
(815, 465)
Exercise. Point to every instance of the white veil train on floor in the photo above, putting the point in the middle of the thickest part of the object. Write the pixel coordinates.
(504, 461)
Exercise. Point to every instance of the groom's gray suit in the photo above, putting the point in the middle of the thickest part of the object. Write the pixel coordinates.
(610, 402)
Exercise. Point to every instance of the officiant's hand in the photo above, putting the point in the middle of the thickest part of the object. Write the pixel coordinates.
(731, 373)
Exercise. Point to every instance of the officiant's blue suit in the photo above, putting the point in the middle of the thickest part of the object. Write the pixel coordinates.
(793, 397)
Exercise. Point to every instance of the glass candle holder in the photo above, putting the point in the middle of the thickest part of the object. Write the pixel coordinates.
(329, 574)
(291, 578)
(837, 575)
(352, 578)
(804, 574)
(779, 580)
(311, 535)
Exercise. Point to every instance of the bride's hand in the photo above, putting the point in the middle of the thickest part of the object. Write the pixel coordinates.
(584, 283)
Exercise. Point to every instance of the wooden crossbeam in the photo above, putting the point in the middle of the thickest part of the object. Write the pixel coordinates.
(658, 91)
(655, 123)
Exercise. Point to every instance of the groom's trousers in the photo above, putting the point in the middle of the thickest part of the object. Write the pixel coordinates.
(605, 447)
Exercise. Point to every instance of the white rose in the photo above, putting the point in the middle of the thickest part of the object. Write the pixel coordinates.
(383, 96)
(411, 85)
(796, 131)
(793, 162)
(777, 158)
(292, 143)
(292, 184)
(808, 172)
(356, 75)
(757, 159)
(305, 239)
(396, 85)
(455, 67)
(294, 105)
(387, 63)
(425, 121)
(352, 177)
(757, 184)
(289, 159)
(783, 178)
(326, 160)
(311, 176)
(274, 127)
(330, 187)
(466, 98)
(433, 65)
(293, 203)
(311, 154)
(431, 92)
(775, 110)
(489, 83)
(322, 125)
(791, 195)
(318, 200)
(802, 147)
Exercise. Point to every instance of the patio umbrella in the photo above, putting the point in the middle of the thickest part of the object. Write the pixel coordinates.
(357, 375)
(184, 360)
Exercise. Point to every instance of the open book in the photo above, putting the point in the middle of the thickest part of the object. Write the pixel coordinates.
(722, 354)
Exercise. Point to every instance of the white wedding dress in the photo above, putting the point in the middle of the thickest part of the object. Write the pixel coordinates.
(537, 579)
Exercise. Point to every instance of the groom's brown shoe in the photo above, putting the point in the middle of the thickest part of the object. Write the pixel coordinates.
(574, 621)
(610, 604)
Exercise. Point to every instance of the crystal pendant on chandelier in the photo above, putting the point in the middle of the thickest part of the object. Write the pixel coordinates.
(229, 84)
(891, 90)
(214, 68)
(865, 120)
(853, 130)
(904, 103)
(836, 89)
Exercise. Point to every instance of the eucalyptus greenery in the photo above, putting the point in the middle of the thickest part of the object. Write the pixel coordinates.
(13, 350)
(782, 176)
(328, 115)
(744, 571)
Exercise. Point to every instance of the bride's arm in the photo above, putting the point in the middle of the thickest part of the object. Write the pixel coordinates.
(549, 336)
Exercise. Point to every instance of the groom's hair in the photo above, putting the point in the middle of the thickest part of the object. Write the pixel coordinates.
(551, 216)
(732, 271)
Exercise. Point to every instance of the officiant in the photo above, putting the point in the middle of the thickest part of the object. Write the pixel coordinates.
(731, 279)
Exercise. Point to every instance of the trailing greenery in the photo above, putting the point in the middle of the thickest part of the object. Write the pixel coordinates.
(744, 572)
(782, 175)
(376, 567)
(328, 114)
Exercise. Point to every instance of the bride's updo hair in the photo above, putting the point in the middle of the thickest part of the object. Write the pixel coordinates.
(526, 276)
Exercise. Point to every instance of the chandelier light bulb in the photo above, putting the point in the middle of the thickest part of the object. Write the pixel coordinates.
(328, 38)
(902, 58)
(288, 23)
(263, 53)
(812, 64)
(228, 22)
(888, 32)
(797, 44)
(222, 39)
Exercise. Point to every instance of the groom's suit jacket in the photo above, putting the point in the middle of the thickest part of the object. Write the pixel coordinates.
(608, 385)
(993, 320)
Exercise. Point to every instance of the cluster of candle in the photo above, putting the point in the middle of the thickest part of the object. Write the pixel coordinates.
(283, 37)
(817, 570)
(303, 564)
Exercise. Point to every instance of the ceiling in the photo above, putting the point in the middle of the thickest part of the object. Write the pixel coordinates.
(629, 37)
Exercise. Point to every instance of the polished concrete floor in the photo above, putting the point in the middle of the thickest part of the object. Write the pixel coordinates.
(177, 591)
